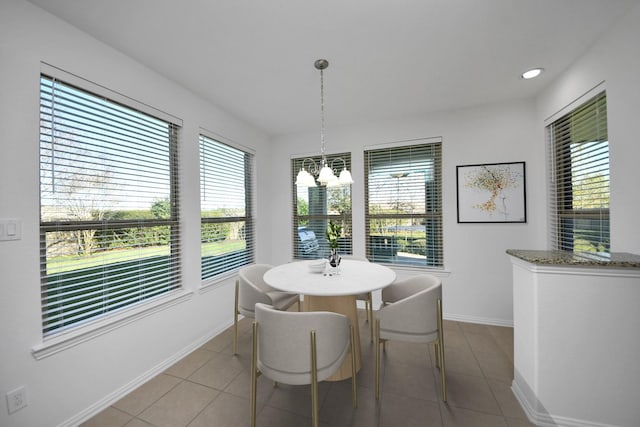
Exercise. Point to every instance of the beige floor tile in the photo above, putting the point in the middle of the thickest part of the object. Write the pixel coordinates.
(405, 411)
(496, 367)
(190, 364)
(110, 417)
(180, 406)
(296, 399)
(519, 423)
(241, 387)
(337, 407)
(508, 403)
(136, 422)
(220, 342)
(408, 381)
(474, 328)
(407, 353)
(274, 417)
(218, 372)
(450, 325)
(483, 344)
(469, 392)
(225, 411)
(459, 417)
(455, 339)
(141, 398)
(462, 361)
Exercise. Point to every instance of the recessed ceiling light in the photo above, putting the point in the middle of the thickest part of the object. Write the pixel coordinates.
(534, 72)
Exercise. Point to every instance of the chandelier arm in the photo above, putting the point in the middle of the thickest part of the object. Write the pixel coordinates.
(315, 168)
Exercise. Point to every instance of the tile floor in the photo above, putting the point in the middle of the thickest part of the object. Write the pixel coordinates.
(211, 387)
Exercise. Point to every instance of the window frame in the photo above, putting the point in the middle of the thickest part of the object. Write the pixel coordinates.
(318, 247)
(386, 249)
(66, 335)
(208, 277)
(588, 114)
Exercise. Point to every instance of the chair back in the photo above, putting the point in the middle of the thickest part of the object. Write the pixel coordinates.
(252, 288)
(401, 289)
(284, 344)
(414, 316)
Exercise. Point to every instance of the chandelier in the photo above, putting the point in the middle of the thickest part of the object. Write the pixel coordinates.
(326, 174)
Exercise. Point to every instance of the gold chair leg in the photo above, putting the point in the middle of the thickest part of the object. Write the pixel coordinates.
(235, 319)
(354, 384)
(314, 381)
(376, 347)
(370, 315)
(254, 374)
(441, 352)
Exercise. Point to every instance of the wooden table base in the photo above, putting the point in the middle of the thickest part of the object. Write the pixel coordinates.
(344, 305)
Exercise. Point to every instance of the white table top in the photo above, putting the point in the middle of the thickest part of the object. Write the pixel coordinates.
(356, 277)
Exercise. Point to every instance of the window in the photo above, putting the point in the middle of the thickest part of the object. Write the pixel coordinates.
(403, 204)
(226, 232)
(109, 235)
(579, 187)
(314, 207)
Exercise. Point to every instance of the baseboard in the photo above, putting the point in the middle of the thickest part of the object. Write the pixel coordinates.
(476, 319)
(537, 414)
(118, 394)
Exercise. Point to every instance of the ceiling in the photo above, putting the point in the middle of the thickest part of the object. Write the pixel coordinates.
(388, 59)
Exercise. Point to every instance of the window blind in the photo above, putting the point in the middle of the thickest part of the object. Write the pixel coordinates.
(579, 187)
(227, 236)
(314, 207)
(109, 231)
(403, 204)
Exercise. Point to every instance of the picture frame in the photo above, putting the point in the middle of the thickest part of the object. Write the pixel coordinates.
(491, 193)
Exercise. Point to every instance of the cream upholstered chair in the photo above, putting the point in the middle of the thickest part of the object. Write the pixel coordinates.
(251, 289)
(413, 313)
(366, 297)
(299, 348)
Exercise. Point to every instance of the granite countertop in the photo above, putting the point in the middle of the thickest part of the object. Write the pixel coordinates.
(583, 259)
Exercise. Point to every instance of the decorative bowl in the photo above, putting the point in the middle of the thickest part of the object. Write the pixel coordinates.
(317, 266)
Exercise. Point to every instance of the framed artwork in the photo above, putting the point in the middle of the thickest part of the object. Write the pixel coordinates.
(492, 192)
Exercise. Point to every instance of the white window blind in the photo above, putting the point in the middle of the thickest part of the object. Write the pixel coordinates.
(579, 187)
(314, 207)
(227, 236)
(403, 204)
(109, 235)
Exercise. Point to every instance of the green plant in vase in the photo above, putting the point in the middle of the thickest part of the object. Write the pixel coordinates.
(334, 231)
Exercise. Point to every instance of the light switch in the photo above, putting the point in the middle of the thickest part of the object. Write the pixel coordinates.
(10, 229)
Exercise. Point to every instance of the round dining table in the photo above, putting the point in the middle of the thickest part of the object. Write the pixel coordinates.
(332, 292)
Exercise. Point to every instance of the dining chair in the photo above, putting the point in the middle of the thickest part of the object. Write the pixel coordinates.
(251, 289)
(413, 313)
(299, 348)
(367, 297)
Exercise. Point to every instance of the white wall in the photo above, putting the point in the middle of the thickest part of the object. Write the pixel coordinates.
(477, 282)
(66, 386)
(614, 60)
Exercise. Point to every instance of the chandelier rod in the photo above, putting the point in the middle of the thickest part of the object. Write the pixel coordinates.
(322, 64)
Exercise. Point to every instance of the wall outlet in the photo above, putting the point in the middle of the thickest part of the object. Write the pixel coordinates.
(17, 399)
